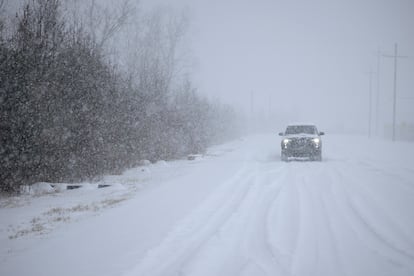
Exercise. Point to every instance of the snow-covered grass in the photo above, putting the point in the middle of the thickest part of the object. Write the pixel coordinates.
(44, 206)
(237, 210)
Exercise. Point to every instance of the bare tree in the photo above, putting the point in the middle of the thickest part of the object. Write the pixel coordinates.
(177, 27)
(2, 6)
(105, 22)
(156, 49)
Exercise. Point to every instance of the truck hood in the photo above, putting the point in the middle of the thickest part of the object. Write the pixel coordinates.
(302, 135)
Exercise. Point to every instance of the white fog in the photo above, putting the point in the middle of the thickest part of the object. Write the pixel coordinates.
(206, 137)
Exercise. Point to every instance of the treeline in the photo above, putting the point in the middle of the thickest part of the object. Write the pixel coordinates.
(68, 112)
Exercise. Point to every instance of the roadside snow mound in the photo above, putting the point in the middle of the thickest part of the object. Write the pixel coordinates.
(37, 189)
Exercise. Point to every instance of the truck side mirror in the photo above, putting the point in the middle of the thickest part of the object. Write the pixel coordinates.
(321, 133)
(281, 134)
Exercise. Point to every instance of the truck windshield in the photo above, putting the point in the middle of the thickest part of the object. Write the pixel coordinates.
(301, 130)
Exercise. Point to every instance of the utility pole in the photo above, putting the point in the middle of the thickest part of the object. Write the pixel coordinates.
(252, 119)
(269, 107)
(394, 104)
(377, 99)
(370, 73)
(251, 104)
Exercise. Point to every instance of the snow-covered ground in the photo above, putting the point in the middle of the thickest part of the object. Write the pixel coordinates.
(238, 210)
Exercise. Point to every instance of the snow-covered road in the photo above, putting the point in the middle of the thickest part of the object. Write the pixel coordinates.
(241, 211)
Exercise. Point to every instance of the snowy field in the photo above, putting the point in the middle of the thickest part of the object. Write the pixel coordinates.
(238, 210)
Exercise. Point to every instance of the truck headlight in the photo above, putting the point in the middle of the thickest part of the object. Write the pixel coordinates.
(285, 143)
(317, 141)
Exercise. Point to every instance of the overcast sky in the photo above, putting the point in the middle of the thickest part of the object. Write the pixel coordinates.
(303, 60)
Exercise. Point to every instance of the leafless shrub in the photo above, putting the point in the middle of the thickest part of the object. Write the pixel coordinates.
(111, 202)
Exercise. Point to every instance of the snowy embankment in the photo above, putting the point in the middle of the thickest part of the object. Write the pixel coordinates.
(236, 211)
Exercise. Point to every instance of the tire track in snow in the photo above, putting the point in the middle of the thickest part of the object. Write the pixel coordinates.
(257, 244)
(282, 220)
(364, 228)
(306, 251)
(367, 197)
(241, 240)
(358, 258)
(296, 218)
(222, 252)
(382, 189)
(404, 175)
(316, 251)
(293, 240)
(192, 233)
(380, 237)
(316, 183)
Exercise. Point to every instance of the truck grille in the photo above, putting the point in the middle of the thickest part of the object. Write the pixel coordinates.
(301, 143)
